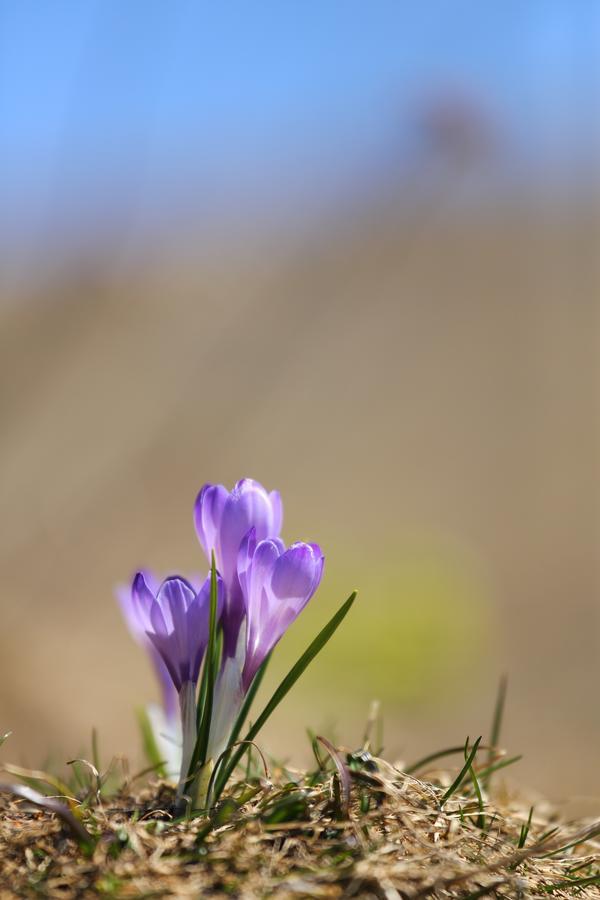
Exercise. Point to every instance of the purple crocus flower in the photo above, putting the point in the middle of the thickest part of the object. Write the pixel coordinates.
(222, 519)
(164, 719)
(276, 585)
(136, 623)
(175, 619)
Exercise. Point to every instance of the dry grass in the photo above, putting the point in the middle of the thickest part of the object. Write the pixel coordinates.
(364, 830)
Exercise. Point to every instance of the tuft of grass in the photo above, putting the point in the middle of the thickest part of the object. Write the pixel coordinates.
(476, 788)
(463, 772)
(356, 826)
(496, 727)
(525, 830)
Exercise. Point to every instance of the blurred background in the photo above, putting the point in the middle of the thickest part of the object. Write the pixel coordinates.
(348, 249)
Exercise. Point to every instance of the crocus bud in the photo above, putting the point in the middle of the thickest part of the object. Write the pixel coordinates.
(276, 585)
(222, 519)
(177, 623)
(176, 620)
(137, 623)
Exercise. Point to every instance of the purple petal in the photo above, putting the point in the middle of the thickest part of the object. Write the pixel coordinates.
(244, 559)
(157, 622)
(297, 572)
(163, 645)
(208, 511)
(277, 511)
(279, 585)
(152, 581)
(248, 506)
(319, 566)
(142, 599)
(137, 616)
(179, 626)
(222, 521)
(260, 609)
(174, 596)
(265, 558)
(136, 602)
(197, 628)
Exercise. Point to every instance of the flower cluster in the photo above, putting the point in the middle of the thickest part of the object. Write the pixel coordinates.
(259, 586)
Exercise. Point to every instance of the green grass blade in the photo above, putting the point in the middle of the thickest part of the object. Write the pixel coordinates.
(525, 830)
(208, 678)
(580, 839)
(497, 723)
(201, 697)
(547, 835)
(204, 681)
(149, 744)
(578, 883)
(477, 789)
(217, 652)
(288, 682)
(461, 775)
(501, 764)
(296, 671)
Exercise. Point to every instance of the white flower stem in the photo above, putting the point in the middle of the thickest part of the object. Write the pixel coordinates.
(187, 705)
(227, 704)
(228, 698)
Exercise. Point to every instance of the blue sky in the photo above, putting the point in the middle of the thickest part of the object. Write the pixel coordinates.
(104, 102)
